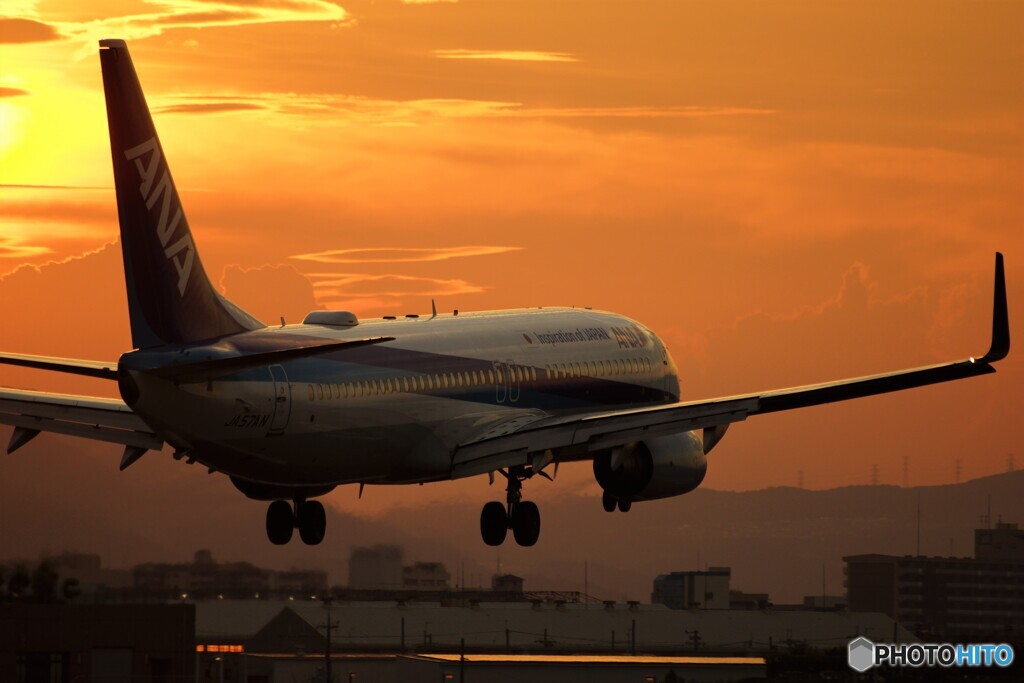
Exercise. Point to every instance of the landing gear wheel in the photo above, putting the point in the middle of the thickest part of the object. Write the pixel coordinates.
(280, 522)
(493, 523)
(608, 502)
(625, 504)
(526, 523)
(312, 522)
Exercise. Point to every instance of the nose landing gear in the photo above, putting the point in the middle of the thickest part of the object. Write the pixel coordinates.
(307, 516)
(523, 517)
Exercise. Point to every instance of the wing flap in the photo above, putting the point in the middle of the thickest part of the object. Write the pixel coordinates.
(575, 437)
(101, 419)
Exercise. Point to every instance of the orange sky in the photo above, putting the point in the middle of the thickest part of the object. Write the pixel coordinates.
(785, 192)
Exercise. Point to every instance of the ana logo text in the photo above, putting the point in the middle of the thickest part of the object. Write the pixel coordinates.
(182, 252)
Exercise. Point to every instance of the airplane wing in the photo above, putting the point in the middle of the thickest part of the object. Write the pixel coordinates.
(578, 437)
(103, 419)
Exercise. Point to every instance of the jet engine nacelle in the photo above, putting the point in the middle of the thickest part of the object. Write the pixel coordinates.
(661, 467)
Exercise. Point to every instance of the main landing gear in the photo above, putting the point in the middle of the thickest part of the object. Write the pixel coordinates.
(610, 502)
(521, 516)
(307, 516)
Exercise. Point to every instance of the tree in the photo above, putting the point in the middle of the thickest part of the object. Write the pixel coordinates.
(19, 581)
(44, 582)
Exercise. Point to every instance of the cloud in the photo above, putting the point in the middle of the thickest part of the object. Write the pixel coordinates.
(400, 255)
(688, 112)
(12, 92)
(174, 14)
(330, 108)
(16, 30)
(507, 55)
(209, 108)
(16, 186)
(342, 285)
(15, 248)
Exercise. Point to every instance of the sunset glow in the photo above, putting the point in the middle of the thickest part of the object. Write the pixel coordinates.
(785, 192)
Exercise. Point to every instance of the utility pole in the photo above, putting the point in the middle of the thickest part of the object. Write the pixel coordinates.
(328, 675)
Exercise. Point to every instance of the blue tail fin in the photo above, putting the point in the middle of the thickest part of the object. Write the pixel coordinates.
(170, 298)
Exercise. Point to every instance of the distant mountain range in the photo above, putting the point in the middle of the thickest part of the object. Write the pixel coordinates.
(777, 540)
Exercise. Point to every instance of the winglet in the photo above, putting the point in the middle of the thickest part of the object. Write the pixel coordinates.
(1000, 318)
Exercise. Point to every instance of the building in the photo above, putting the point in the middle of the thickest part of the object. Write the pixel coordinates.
(1005, 542)
(425, 576)
(748, 601)
(206, 578)
(693, 590)
(947, 598)
(507, 583)
(56, 642)
(375, 568)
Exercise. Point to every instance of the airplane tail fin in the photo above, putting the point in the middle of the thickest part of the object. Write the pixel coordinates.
(170, 298)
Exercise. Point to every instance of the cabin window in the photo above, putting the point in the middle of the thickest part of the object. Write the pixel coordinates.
(490, 376)
(405, 384)
(533, 374)
(444, 380)
(310, 387)
(500, 375)
(320, 392)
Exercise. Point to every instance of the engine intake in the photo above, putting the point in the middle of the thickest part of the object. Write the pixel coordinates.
(662, 467)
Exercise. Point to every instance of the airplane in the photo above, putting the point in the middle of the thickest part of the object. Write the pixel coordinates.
(290, 412)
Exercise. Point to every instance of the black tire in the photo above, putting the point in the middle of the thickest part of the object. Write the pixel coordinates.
(312, 522)
(625, 504)
(526, 523)
(280, 522)
(493, 523)
(609, 502)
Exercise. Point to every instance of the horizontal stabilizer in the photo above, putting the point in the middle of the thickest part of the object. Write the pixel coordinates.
(227, 364)
(89, 368)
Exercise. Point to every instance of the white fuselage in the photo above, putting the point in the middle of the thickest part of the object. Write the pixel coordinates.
(395, 412)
